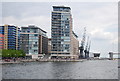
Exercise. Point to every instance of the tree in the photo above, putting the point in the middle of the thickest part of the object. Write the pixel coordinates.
(13, 53)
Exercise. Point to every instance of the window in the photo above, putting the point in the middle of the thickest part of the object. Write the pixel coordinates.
(35, 45)
(30, 47)
(62, 39)
(66, 26)
(35, 42)
(66, 34)
(36, 35)
(35, 50)
(35, 31)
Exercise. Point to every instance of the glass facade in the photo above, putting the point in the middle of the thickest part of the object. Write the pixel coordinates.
(61, 18)
(11, 36)
(31, 40)
(1, 37)
(33, 44)
(31, 34)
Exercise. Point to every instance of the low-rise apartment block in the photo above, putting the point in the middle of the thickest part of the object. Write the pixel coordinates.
(34, 41)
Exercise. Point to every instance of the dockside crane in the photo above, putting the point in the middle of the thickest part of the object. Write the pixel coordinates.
(81, 48)
(86, 49)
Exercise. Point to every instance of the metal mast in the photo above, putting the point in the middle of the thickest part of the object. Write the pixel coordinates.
(86, 49)
(82, 43)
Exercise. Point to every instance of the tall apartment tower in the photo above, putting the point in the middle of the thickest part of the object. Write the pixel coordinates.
(64, 40)
(9, 37)
(34, 41)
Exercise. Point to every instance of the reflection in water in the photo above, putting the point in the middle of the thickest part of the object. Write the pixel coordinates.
(63, 70)
(97, 69)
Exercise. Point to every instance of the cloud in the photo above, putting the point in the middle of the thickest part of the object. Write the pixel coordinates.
(41, 21)
(101, 35)
(100, 20)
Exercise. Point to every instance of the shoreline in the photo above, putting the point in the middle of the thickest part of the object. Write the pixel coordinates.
(46, 60)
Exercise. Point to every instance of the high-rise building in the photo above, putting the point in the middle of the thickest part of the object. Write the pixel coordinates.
(64, 40)
(34, 41)
(9, 37)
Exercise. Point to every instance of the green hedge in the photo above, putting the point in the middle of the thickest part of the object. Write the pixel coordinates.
(12, 53)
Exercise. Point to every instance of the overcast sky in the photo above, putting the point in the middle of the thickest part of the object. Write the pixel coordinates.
(99, 18)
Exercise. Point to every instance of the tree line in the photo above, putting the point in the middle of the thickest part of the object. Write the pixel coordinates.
(12, 53)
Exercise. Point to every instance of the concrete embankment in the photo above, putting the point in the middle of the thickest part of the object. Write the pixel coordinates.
(41, 60)
(9, 62)
(51, 60)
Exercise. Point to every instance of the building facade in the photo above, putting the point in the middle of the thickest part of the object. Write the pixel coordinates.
(9, 37)
(1, 37)
(49, 46)
(34, 41)
(62, 37)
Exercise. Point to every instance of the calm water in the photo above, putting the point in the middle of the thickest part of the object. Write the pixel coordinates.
(97, 69)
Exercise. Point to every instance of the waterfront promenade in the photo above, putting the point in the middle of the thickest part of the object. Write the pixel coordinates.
(47, 60)
(42, 60)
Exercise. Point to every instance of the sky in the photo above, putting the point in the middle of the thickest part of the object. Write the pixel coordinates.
(99, 18)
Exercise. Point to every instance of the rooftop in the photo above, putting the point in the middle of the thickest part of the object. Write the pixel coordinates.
(33, 26)
(61, 7)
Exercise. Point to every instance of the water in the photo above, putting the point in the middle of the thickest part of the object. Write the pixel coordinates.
(97, 69)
